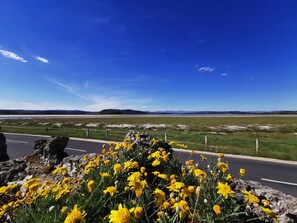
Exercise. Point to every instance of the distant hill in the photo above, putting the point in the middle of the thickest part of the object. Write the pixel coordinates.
(42, 112)
(122, 112)
(136, 112)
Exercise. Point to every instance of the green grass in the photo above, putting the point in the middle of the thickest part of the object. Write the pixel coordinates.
(279, 141)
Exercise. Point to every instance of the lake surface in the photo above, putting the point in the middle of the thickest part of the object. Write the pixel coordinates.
(123, 116)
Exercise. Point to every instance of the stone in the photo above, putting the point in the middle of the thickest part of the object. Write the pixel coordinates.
(48, 152)
(48, 169)
(284, 206)
(52, 149)
(3, 148)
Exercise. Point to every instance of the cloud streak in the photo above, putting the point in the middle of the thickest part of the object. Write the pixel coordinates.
(206, 69)
(67, 88)
(41, 59)
(103, 99)
(12, 55)
(7, 104)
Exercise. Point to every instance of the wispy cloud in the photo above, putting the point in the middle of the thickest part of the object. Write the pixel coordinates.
(12, 55)
(67, 88)
(224, 74)
(104, 98)
(41, 59)
(7, 104)
(206, 69)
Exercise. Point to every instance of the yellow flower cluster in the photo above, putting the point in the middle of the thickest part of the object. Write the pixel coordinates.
(131, 183)
(159, 156)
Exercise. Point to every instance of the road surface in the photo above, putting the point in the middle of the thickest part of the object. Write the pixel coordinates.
(280, 176)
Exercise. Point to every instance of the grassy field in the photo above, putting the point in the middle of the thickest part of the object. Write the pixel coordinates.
(277, 135)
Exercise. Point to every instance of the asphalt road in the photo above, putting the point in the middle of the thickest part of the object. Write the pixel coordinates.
(279, 176)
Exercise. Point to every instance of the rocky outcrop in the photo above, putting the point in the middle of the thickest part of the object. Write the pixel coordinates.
(52, 149)
(3, 148)
(284, 206)
(48, 152)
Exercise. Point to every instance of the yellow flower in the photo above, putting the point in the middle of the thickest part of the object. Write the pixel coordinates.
(163, 176)
(250, 198)
(107, 162)
(225, 190)
(75, 216)
(86, 157)
(159, 156)
(142, 169)
(220, 155)
(189, 162)
(134, 176)
(104, 174)
(44, 192)
(172, 143)
(62, 193)
(137, 186)
(265, 202)
(160, 197)
(242, 171)
(184, 193)
(223, 166)
(181, 208)
(5, 189)
(138, 212)
(30, 182)
(199, 173)
(111, 190)
(64, 209)
(130, 164)
(217, 209)
(166, 205)
(119, 146)
(117, 168)
(122, 215)
(91, 185)
(65, 181)
(176, 186)
(60, 170)
(127, 165)
(156, 173)
(137, 136)
(182, 146)
(156, 162)
(191, 189)
(270, 213)
(35, 186)
(230, 177)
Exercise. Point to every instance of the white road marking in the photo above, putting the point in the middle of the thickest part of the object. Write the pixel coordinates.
(78, 150)
(279, 182)
(17, 141)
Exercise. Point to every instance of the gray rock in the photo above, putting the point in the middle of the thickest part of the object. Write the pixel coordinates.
(12, 170)
(3, 148)
(47, 152)
(284, 206)
(52, 149)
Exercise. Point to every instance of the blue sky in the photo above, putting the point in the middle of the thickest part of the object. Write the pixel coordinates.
(148, 55)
